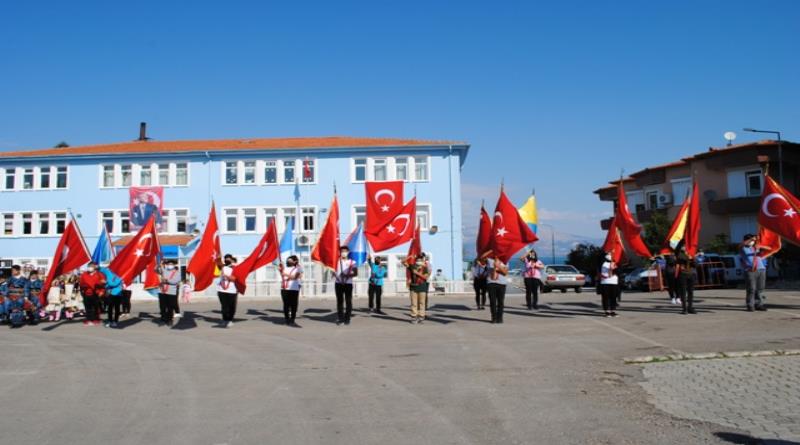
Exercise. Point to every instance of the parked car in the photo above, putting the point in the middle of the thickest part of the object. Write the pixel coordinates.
(711, 271)
(734, 272)
(563, 277)
(638, 279)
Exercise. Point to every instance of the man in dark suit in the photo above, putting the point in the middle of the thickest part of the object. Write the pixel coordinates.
(142, 209)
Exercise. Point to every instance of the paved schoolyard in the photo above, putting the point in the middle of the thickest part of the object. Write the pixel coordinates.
(551, 377)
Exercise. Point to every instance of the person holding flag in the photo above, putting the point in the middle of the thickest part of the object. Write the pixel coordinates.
(479, 274)
(685, 269)
(419, 273)
(92, 284)
(170, 279)
(226, 290)
(113, 296)
(532, 275)
(496, 282)
(609, 285)
(753, 262)
(377, 273)
(346, 270)
(291, 282)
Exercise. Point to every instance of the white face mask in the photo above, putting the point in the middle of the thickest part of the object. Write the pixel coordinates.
(170, 267)
(91, 269)
(344, 255)
(608, 258)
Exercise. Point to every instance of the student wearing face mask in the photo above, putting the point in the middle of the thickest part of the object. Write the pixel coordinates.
(418, 274)
(168, 291)
(496, 285)
(377, 272)
(291, 281)
(92, 285)
(113, 296)
(609, 285)
(343, 286)
(685, 269)
(226, 290)
(756, 268)
(532, 274)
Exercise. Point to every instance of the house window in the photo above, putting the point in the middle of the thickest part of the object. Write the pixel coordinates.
(652, 199)
(230, 220)
(309, 170)
(164, 225)
(124, 221)
(359, 170)
(27, 179)
(181, 220)
(424, 216)
(270, 172)
(146, 175)
(11, 179)
(108, 176)
(379, 169)
(420, 168)
(44, 223)
(27, 223)
(270, 216)
(249, 220)
(61, 177)
(359, 215)
(163, 174)
(288, 171)
(61, 222)
(8, 224)
(44, 178)
(181, 173)
(249, 172)
(680, 187)
(231, 172)
(126, 172)
(108, 220)
(753, 179)
(309, 219)
(289, 214)
(401, 169)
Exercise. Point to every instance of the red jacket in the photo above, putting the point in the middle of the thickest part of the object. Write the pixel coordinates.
(93, 284)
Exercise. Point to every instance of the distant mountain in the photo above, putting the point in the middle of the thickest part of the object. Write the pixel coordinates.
(563, 243)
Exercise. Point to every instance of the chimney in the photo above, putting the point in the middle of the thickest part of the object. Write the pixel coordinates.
(143, 131)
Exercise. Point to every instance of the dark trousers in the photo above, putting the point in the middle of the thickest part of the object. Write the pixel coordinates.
(671, 282)
(497, 298)
(92, 306)
(609, 293)
(375, 291)
(228, 304)
(167, 303)
(344, 301)
(532, 292)
(290, 300)
(686, 291)
(113, 306)
(126, 301)
(479, 284)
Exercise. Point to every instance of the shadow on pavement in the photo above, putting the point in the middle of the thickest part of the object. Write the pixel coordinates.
(449, 307)
(186, 322)
(743, 439)
(540, 314)
(330, 318)
(62, 323)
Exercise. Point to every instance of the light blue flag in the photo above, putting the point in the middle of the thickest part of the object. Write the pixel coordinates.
(357, 243)
(103, 251)
(191, 246)
(287, 241)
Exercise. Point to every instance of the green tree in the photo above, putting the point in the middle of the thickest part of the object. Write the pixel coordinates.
(655, 231)
(720, 244)
(585, 257)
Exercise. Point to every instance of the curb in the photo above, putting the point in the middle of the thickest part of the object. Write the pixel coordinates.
(707, 356)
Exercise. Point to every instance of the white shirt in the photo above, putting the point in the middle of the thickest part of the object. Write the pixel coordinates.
(501, 279)
(290, 277)
(346, 267)
(606, 274)
(225, 283)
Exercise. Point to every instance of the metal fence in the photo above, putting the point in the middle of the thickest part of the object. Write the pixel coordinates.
(707, 275)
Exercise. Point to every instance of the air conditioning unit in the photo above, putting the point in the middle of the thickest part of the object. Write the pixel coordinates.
(303, 240)
(664, 199)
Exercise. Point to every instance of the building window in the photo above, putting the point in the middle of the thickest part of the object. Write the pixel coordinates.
(270, 216)
(680, 187)
(181, 173)
(61, 222)
(27, 179)
(44, 223)
(163, 174)
(753, 179)
(379, 169)
(44, 178)
(288, 171)
(108, 220)
(309, 219)
(249, 220)
(11, 179)
(270, 172)
(164, 226)
(359, 215)
(181, 220)
(124, 221)
(289, 214)
(420, 168)
(8, 224)
(27, 223)
(231, 215)
(231, 172)
(424, 216)
(401, 169)
(309, 171)
(146, 175)
(126, 174)
(249, 172)
(652, 199)
(61, 177)
(108, 176)
(359, 170)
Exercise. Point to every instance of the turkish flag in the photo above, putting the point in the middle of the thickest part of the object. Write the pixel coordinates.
(384, 202)
(631, 230)
(613, 243)
(692, 235)
(509, 232)
(266, 251)
(151, 278)
(137, 254)
(415, 248)
(203, 265)
(397, 230)
(768, 241)
(71, 253)
(482, 244)
(779, 211)
(326, 250)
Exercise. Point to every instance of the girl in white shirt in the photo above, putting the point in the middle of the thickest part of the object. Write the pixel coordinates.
(291, 277)
(226, 291)
(609, 284)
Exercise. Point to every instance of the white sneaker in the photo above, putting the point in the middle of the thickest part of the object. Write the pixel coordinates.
(229, 325)
(674, 301)
(678, 301)
(177, 315)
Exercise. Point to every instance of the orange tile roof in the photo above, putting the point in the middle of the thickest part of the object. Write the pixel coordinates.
(256, 144)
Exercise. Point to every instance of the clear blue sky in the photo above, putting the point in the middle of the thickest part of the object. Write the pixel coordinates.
(556, 97)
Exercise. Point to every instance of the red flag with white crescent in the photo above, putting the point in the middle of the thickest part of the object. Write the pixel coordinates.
(510, 232)
(266, 251)
(384, 202)
(631, 230)
(137, 254)
(484, 240)
(613, 243)
(779, 211)
(203, 265)
(71, 253)
(326, 250)
(396, 231)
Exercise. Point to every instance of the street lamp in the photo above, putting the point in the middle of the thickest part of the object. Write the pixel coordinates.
(780, 149)
(552, 241)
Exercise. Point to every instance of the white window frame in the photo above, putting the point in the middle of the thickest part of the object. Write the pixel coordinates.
(354, 215)
(430, 215)
(353, 170)
(314, 171)
(747, 175)
(36, 217)
(14, 173)
(413, 168)
(678, 200)
(117, 221)
(262, 168)
(282, 171)
(371, 173)
(393, 169)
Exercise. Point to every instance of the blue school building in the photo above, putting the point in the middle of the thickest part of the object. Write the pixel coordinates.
(251, 181)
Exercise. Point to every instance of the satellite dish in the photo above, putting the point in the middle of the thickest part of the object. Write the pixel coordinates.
(729, 136)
